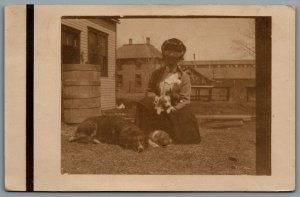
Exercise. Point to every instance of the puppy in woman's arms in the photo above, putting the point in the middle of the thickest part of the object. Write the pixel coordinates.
(163, 103)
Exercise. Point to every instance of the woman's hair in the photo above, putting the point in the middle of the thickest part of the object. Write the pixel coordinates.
(173, 48)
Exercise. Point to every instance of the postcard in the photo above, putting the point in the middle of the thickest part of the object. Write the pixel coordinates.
(149, 98)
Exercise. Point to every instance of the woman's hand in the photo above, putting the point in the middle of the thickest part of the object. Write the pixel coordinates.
(171, 109)
(156, 100)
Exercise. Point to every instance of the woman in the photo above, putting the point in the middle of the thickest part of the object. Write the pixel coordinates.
(181, 122)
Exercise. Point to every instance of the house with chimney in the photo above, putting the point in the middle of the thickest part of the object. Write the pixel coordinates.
(222, 79)
(135, 63)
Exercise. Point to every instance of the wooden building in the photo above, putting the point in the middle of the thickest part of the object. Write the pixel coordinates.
(135, 63)
(89, 45)
(201, 85)
(92, 41)
(225, 79)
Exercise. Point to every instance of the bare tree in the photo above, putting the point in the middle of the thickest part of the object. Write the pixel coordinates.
(246, 43)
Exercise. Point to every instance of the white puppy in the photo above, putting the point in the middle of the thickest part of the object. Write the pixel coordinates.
(159, 138)
(163, 103)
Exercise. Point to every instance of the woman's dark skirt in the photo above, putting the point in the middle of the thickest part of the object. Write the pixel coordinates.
(181, 125)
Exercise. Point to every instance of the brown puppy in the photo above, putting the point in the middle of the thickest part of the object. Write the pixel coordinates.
(110, 130)
(159, 138)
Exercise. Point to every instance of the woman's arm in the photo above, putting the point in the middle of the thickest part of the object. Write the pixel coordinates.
(152, 85)
(185, 92)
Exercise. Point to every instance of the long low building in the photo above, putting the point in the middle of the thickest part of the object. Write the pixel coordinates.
(222, 79)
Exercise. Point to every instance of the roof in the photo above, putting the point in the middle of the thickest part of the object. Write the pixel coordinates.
(204, 74)
(227, 73)
(132, 51)
(213, 62)
(202, 86)
(112, 18)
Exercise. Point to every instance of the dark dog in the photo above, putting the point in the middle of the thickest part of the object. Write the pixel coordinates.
(111, 130)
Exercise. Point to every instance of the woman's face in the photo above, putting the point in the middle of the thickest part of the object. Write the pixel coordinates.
(171, 62)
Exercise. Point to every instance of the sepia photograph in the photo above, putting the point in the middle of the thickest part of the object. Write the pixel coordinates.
(158, 95)
(150, 98)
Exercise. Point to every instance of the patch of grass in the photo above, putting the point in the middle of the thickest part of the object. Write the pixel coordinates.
(221, 107)
(221, 151)
(211, 156)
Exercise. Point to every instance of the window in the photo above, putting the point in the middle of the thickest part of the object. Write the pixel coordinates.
(119, 80)
(251, 94)
(119, 66)
(70, 45)
(138, 80)
(97, 50)
(138, 64)
(138, 67)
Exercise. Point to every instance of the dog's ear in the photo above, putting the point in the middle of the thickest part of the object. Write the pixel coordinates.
(159, 110)
(159, 101)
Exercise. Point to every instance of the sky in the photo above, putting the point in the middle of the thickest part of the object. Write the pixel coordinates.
(207, 38)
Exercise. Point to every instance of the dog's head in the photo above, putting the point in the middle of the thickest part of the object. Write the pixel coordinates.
(85, 133)
(165, 101)
(132, 137)
(161, 138)
(139, 143)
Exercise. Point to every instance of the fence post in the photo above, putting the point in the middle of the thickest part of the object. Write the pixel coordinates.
(210, 94)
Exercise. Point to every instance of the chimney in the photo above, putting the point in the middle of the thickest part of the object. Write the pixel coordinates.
(130, 40)
(148, 40)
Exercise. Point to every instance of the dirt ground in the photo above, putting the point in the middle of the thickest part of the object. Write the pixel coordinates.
(229, 151)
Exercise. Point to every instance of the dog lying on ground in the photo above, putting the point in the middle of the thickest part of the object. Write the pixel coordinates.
(163, 103)
(111, 130)
(159, 138)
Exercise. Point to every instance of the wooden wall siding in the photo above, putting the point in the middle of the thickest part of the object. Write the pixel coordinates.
(238, 88)
(107, 83)
(105, 23)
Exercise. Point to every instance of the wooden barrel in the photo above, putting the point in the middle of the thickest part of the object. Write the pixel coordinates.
(81, 92)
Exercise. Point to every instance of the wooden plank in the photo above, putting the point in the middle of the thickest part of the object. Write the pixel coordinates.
(221, 124)
(226, 117)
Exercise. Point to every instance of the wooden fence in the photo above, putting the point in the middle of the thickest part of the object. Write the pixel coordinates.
(210, 93)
